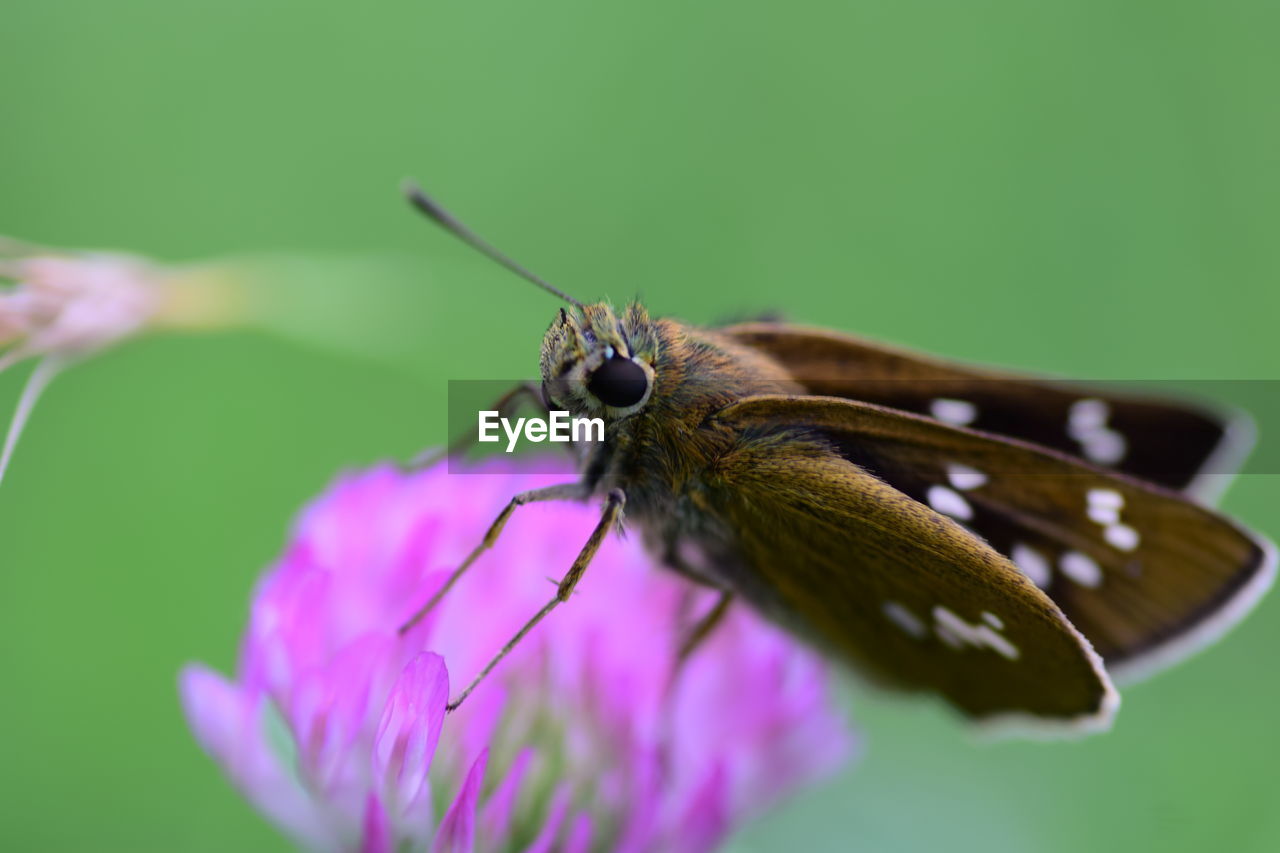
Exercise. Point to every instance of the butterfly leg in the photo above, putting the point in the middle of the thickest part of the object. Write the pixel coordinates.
(561, 492)
(703, 627)
(504, 405)
(608, 520)
(697, 634)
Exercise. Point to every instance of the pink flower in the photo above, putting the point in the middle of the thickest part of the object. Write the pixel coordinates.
(582, 739)
(60, 306)
(68, 305)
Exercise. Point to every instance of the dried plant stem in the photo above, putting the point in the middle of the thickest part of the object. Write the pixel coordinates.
(39, 379)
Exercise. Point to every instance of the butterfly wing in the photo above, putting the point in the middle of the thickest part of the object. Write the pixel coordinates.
(1146, 574)
(901, 591)
(1182, 446)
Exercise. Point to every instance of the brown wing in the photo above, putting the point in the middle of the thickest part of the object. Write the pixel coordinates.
(1146, 574)
(1172, 443)
(901, 591)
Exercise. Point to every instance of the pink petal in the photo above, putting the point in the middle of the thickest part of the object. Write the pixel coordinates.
(555, 817)
(706, 818)
(217, 711)
(287, 625)
(495, 818)
(579, 840)
(409, 603)
(377, 832)
(457, 832)
(328, 708)
(410, 729)
(647, 783)
(409, 583)
(228, 723)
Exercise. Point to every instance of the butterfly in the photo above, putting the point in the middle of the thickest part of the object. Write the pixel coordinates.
(1008, 543)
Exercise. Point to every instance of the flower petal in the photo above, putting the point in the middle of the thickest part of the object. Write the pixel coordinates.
(555, 817)
(228, 722)
(457, 832)
(579, 840)
(216, 710)
(377, 832)
(328, 710)
(495, 817)
(410, 729)
(706, 818)
(641, 828)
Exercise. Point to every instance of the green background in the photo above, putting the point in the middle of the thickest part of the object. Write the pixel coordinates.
(1085, 187)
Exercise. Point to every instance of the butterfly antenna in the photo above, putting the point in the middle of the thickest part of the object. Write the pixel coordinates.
(448, 222)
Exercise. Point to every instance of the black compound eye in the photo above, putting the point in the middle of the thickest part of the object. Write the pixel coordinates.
(619, 382)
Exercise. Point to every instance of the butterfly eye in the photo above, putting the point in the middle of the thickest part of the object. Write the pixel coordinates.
(619, 382)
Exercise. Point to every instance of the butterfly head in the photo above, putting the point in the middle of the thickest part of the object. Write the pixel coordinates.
(595, 361)
(599, 362)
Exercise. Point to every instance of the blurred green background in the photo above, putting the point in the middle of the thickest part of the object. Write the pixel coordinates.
(1085, 187)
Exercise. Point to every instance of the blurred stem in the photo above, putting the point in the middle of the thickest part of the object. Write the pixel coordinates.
(202, 298)
(373, 306)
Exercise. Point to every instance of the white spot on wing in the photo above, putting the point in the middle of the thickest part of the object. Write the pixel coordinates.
(1121, 536)
(1088, 414)
(1032, 563)
(1105, 498)
(1104, 507)
(899, 615)
(951, 639)
(1087, 424)
(956, 412)
(1104, 514)
(949, 502)
(993, 620)
(1081, 568)
(1106, 447)
(965, 478)
(956, 632)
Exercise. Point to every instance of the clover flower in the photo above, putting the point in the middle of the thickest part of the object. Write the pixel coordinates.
(586, 737)
(60, 306)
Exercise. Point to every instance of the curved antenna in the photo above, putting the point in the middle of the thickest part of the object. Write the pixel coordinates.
(446, 220)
